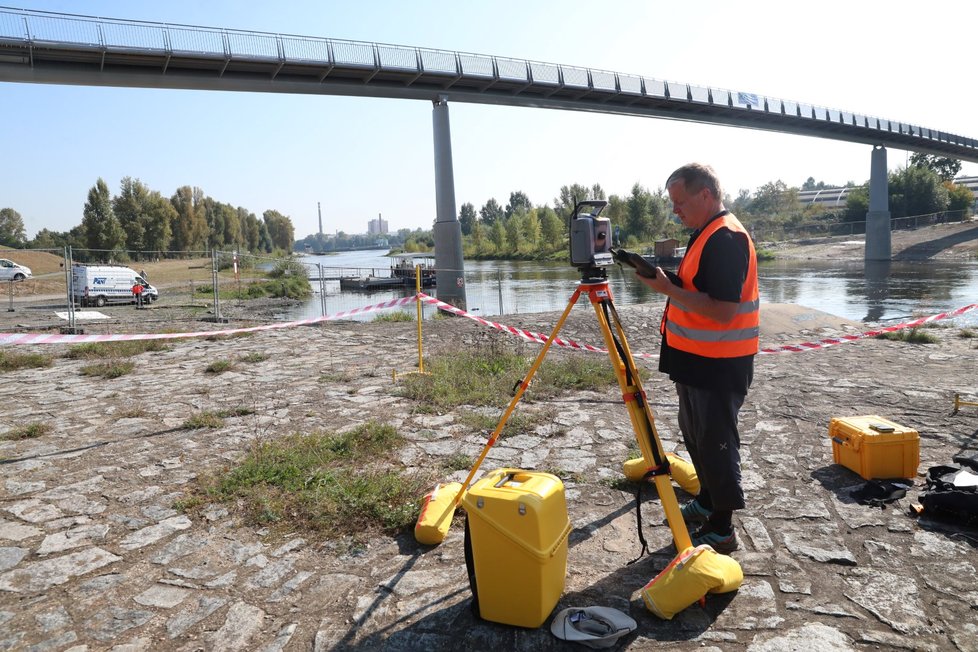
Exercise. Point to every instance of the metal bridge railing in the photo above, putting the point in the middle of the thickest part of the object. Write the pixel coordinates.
(37, 30)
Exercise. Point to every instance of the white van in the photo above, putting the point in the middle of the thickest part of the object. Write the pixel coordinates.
(11, 271)
(97, 285)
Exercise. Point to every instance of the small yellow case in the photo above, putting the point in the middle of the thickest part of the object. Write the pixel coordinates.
(874, 447)
(516, 545)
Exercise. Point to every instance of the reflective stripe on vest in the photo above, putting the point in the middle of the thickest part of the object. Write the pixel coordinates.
(700, 335)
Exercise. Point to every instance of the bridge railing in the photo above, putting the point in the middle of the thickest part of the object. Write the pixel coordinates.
(36, 29)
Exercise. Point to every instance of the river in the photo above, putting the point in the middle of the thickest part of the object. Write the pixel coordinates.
(868, 292)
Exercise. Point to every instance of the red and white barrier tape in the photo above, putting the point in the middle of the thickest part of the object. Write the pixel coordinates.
(530, 336)
(832, 341)
(540, 338)
(49, 338)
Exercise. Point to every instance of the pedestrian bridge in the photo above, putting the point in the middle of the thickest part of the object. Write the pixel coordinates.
(55, 48)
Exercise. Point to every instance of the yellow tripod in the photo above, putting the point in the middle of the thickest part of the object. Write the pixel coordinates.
(639, 411)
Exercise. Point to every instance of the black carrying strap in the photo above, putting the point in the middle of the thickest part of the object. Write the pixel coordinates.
(651, 473)
(661, 463)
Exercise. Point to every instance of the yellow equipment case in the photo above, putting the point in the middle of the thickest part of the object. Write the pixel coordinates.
(516, 545)
(874, 447)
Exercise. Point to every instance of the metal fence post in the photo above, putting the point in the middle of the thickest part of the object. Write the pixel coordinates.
(11, 284)
(322, 290)
(499, 286)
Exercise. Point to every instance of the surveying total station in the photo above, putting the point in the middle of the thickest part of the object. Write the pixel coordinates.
(528, 546)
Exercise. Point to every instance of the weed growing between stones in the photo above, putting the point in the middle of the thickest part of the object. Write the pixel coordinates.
(394, 316)
(109, 370)
(219, 366)
(205, 419)
(335, 484)
(28, 431)
(911, 336)
(486, 376)
(12, 361)
(102, 350)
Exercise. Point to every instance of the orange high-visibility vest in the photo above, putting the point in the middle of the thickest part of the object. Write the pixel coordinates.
(700, 335)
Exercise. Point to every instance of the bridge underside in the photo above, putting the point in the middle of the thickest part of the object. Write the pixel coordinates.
(489, 83)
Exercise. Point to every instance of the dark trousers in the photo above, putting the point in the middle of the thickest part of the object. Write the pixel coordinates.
(708, 421)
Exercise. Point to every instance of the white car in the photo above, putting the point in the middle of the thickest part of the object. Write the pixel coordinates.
(11, 271)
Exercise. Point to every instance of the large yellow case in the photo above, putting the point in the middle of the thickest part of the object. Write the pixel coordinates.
(874, 447)
(516, 545)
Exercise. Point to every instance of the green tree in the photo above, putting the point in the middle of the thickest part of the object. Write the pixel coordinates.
(638, 223)
(158, 230)
(857, 204)
(232, 227)
(130, 209)
(99, 224)
(190, 225)
(250, 231)
(467, 218)
(959, 198)
(916, 190)
(531, 230)
(519, 203)
(46, 239)
(497, 235)
(280, 230)
(945, 167)
(553, 230)
(597, 192)
(491, 212)
(514, 234)
(478, 238)
(12, 233)
(568, 198)
(775, 199)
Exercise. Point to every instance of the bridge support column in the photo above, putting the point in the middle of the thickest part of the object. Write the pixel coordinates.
(878, 217)
(450, 277)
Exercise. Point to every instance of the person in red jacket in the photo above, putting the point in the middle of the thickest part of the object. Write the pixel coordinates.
(709, 339)
(137, 293)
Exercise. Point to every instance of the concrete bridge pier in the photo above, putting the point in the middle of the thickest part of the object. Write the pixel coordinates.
(878, 217)
(450, 275)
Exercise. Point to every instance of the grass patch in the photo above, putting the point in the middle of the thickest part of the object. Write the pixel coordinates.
(12, 361)
(334, 484)
(966, 333)
(518, 422)
(909, 335)
(102, 350)
(456, 462)
(254, 357)
(485, 377)
(27, 431)
(219, 367)
(234, 412)
(110, 369)
(395, 316)
(132, 413)
(203, 420)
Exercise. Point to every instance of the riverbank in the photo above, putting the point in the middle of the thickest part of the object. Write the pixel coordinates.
(94, 555)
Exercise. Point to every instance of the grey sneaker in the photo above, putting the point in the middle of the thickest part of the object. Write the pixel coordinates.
(722, 543)
(693, 512)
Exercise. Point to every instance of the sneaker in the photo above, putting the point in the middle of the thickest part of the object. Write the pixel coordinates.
(724, 544)
(693, 512)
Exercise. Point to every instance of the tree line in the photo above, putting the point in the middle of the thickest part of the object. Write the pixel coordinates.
(141, 220)
(140, 223)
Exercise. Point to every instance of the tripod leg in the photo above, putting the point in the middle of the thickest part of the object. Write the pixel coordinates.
(640, 413)
(519, 394)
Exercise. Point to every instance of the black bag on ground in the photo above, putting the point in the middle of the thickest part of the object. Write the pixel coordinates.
(948, 502)
(958, 506)
(878, 493)
(967, 458)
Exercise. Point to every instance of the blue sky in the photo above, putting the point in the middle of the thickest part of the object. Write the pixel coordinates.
(363, 157)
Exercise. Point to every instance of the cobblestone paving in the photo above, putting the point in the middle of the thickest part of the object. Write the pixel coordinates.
(93, 555)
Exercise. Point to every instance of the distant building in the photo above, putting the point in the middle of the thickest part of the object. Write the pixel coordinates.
(377, 227)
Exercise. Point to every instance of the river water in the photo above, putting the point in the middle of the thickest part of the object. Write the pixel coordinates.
(869, 292)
